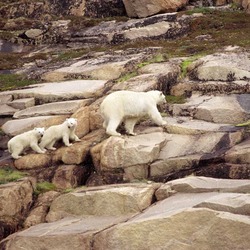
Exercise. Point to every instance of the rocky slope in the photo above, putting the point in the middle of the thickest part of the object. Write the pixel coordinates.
(181, 186)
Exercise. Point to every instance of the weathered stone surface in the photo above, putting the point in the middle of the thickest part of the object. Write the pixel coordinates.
(103, 66)
(15, 201)
(69, 233)
(230, 202)
(5, 99)
(195, 184)
(144, 8)
(60, 91)
(188, 126)
(57, 108)
(239, 153)
(15, 127)
(230, 109)
(68, 176)
(83, 121)
(202, 228)
(78, 152)
(183, 152)
(32, 161)
(106, 201)
(22, 103)
(167, 26)
(118, 152)
(222, 67)
(6, 110)
(40, 209)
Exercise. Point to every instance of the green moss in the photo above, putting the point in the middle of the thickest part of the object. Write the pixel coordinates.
(175, 99)
(12, 81)
(245, 124)
(43, 187)
(9, 175)
(127, 76)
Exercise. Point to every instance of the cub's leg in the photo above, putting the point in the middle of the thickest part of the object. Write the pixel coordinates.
(36, 148)
(129, 125)
(16, 152)
(66, 140)
(50, 145)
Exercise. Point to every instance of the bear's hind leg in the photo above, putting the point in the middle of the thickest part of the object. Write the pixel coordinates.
(112, 126)
(50, 145)
(16, 152)
(129, 125)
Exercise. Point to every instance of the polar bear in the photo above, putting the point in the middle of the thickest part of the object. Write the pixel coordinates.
(17, 144)
(129, 107)
(64, 131)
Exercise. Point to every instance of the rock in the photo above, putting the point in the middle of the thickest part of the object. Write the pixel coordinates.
(68, 176)
(40, 208)
(6, 110)
(83, 124)
(239, 153)
(118, 152)
(115, 200)
(69, 233)
(5, 99)
(246, 5)
(135, 8)
(16, 200)
(196, 184)
(188, 126)
(230, 202)
(32, 161)
(57, 108)
(33, 33)
(22, 103)
(219, 230)
(232, 109)
(185, 152)
(103, 67)
(221, 67)
(60, 91)
(15, 127)
(166, 26)
(78, 152)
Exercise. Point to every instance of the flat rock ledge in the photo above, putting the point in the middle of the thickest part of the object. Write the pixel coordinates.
(189, 213)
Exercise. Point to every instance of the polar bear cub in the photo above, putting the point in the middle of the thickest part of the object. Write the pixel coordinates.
(17, 144)
(129, 107)
(64, 131)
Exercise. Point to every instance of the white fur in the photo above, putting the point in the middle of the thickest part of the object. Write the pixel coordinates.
(64, 131)
(17, 144)
(129, 107)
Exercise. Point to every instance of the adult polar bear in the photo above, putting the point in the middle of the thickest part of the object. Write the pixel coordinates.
(128, 107)
(17, 144)
(64, 131)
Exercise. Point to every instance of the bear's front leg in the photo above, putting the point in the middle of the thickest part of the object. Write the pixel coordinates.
(36, 148)
(156, 117)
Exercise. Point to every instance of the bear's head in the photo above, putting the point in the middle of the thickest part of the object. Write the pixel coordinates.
(158, 96)
(39, 132)
(71, 122)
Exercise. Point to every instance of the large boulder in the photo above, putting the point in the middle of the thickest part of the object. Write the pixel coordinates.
(222, 67)
(114, 200)
(144, 8)
(15, 201)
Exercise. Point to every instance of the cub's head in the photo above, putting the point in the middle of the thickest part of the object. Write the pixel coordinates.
(39, 132)
(71, 122)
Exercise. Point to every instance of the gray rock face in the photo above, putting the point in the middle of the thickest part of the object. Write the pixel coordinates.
(201, 212)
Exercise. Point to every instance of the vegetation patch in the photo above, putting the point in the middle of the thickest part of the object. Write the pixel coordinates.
(43, 187)
(171, 99)
(9, 175)
(12, 81)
